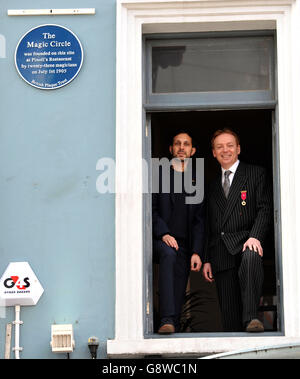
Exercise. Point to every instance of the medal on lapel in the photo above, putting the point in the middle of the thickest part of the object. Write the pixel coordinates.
(244, 197)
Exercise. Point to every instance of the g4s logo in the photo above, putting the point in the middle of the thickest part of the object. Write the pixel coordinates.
(14, 281)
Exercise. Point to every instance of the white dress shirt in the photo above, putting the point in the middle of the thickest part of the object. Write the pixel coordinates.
(233, 169)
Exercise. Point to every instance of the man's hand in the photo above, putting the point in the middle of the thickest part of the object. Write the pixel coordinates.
(196, 262)
(170, 241)
(254, 245)
(207, 272)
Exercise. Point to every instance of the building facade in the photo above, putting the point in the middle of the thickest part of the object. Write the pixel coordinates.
(87, 236)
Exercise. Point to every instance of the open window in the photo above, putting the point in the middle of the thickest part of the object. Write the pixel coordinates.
(202, 83)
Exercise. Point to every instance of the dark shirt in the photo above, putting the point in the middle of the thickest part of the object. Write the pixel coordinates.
(178, 222)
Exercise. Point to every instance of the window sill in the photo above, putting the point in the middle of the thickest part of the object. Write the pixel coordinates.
(178, 346)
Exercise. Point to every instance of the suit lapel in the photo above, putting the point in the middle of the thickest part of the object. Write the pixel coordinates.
(218, 193)
(234, 195)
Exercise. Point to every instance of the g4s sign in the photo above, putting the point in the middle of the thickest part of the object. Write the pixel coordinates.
(19, 285)
(15, 281)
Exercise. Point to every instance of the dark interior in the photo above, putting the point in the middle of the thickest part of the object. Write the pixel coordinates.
(254, 127)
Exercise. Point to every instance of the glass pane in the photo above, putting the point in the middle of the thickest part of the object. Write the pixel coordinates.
(214, 64)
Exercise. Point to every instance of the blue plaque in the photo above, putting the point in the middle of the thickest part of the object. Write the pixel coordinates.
(49, 56)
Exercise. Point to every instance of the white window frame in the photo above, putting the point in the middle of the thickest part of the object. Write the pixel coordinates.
(135, 17)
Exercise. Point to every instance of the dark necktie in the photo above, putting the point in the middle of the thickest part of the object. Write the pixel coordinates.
(226, 184)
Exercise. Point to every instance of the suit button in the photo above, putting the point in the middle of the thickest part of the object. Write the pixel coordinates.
(222, 233)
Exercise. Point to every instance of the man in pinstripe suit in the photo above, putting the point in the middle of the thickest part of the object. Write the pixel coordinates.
(239, 215)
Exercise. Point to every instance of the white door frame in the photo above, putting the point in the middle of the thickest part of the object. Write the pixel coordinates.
(135, 17)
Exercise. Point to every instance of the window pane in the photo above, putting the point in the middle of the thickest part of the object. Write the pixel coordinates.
(214, 64)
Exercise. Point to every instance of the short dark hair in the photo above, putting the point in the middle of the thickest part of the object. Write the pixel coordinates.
(182, 131)
(218, 132)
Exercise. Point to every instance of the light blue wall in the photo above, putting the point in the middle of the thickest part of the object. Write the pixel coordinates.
(51, 213)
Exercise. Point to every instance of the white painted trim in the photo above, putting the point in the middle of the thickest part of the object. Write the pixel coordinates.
(51, 12)
(134, 17)
(192, 347)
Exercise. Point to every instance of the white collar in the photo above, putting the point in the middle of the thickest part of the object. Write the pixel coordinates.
(233, 168)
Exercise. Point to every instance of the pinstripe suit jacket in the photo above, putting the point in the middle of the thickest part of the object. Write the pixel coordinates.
(229, 223)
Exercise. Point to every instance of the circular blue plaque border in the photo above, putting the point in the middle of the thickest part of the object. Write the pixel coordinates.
(40, 84)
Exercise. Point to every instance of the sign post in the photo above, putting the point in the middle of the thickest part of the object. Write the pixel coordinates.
(19, 286)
